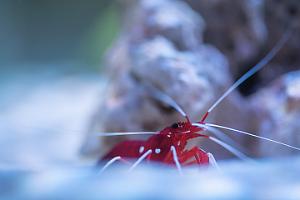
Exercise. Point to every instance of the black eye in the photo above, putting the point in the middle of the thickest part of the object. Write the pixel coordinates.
(175, 125)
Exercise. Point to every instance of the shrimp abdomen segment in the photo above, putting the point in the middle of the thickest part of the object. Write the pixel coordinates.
(126, 149)
(190, 157)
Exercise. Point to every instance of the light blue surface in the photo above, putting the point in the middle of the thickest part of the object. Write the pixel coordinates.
(265, 180)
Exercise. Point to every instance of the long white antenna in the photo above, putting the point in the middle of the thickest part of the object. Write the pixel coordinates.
(254, 69)
(125, 133)
(222, 136)
(253, 135)
(231, 149)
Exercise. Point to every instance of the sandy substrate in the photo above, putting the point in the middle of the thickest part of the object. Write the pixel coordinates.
(236, 180)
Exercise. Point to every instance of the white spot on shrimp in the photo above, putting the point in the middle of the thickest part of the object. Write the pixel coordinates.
(142, 148)
(157, 151)
(178, 143)
(168, 136)
(186, 132)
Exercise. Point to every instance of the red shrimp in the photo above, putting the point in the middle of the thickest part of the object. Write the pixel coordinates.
(175, 136)
(169, 145)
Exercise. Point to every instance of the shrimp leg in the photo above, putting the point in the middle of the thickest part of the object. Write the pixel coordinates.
(113, 160)
(145, 155)
(176, 160)
(212, 161)
(199, 155)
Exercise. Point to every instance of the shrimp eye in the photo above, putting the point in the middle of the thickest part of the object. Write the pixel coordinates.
(175, 125)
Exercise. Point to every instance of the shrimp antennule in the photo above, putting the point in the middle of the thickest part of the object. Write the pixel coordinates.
(223, 144)
(168, 100)
(222, 136)
(230, 148)
(252, 135)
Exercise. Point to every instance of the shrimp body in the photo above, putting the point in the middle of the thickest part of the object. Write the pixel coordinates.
(176, 135)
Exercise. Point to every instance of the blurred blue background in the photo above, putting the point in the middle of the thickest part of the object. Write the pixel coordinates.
(51, 56)
(67, 34)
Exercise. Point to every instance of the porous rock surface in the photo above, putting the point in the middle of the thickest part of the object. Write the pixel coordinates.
(164, 48)
(245, 30)
(278, 113)
(235, 27)
(175, 48)
(281, 16)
